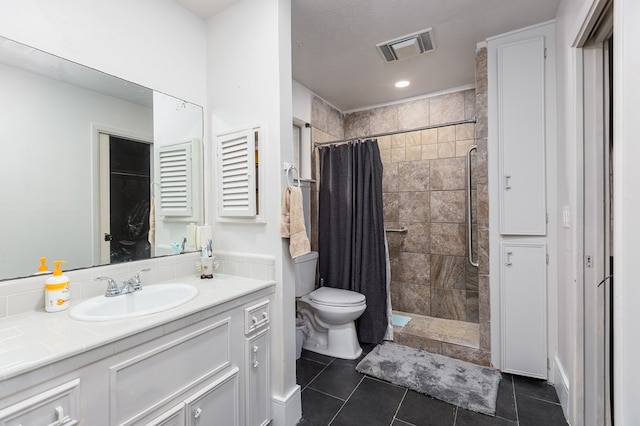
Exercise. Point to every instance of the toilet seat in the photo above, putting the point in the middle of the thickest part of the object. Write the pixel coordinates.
(329, 296)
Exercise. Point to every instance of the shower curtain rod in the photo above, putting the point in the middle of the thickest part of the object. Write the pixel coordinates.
(432, 126)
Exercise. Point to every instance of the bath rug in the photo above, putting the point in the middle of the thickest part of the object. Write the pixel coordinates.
(399, 320)
(456, 382)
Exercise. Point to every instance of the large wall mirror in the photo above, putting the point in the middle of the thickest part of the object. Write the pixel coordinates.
(93, 169)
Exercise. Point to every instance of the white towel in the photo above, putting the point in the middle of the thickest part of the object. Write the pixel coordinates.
(292, 222)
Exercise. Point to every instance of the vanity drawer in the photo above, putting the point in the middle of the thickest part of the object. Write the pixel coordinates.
(144, 382)
(57, 406)
(256, 317)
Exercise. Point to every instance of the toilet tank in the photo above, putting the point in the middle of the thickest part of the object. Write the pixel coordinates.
(305, 267)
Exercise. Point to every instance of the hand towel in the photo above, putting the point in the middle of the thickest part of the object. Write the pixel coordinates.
(285, 214)
(292, 222)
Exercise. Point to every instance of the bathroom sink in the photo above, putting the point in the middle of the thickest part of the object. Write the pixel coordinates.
(151, 299)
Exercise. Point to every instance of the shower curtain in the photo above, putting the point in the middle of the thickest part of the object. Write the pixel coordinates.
(351, 241)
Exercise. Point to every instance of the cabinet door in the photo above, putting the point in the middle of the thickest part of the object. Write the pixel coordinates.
(523, 296)
(258, 382)
(521, 137)
(216, 404)
(57, 406)
(173, 417)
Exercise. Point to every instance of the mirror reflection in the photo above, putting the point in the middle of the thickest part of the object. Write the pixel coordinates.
(94, 169)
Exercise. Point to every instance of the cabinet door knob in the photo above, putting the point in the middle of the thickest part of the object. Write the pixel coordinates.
(508, 262)
(255, 356)
(197, 413)
(61, 418)
(507, 183)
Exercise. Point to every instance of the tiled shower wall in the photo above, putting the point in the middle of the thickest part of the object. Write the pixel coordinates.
(424, 190)
(428, 165)
(482, 211)
(423, 186)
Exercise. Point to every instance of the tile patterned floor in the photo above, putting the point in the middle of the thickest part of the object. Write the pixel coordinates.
(334, 393)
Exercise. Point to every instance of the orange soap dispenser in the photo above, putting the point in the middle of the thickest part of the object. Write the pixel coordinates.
(56, 290)
(42, 269)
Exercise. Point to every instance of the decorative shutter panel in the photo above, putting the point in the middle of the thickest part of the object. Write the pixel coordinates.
(175, 164)
(236, 170)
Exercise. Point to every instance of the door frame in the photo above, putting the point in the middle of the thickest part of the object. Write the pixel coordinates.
(96, 192)
(592, 218)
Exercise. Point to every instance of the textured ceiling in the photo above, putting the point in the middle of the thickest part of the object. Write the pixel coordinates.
(334, 43)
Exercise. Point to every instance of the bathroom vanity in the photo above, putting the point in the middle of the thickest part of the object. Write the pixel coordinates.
(202, 363)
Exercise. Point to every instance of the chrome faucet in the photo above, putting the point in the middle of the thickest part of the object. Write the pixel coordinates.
(129, 286)
(112, 286)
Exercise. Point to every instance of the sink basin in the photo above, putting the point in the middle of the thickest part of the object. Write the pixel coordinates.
(151, 299)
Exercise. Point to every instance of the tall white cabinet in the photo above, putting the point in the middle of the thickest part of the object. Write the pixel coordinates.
(521, 148)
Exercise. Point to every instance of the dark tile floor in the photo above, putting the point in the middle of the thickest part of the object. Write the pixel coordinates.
(334, 393)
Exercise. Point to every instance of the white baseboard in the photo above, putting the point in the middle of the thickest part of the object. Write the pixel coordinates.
(287, 411)
(561, 383)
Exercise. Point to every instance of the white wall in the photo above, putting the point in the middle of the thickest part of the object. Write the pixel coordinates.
(571, 16)
(176, 122)
(302, 98)
(626, 110)
(301, 102)
(252, 38)
(48, 156)
(155, 43)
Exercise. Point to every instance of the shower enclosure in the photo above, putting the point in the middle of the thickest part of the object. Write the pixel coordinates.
(425, 146)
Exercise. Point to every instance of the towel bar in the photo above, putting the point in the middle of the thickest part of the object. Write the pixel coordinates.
(291, 181)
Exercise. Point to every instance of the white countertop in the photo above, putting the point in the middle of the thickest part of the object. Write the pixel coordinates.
(35, 339)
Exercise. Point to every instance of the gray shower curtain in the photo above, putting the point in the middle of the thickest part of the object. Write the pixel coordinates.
(351, 241)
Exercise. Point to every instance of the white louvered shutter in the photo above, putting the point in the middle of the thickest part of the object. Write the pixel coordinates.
(175, 171)
(236, 170)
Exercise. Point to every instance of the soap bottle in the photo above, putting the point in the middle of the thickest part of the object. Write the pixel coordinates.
(56, 290)
(43, 269)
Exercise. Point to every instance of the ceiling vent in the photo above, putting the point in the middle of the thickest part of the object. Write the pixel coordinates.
(407, 46)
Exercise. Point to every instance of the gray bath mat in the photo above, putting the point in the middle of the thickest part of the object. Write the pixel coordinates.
(450, 380)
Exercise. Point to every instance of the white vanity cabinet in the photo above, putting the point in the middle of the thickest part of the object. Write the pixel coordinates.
(173, 417)
(57, 406)
(217, 403)
(205, 368)
(257, 362)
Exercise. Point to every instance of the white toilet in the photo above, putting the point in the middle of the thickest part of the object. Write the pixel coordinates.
(330, 312)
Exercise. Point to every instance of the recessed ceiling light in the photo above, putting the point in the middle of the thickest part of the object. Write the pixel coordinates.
(402, 83)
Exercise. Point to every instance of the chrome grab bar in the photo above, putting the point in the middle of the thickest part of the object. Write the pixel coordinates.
(401, 230)
(469, 218)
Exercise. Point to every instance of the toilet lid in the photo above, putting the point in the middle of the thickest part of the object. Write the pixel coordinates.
(336, 297)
